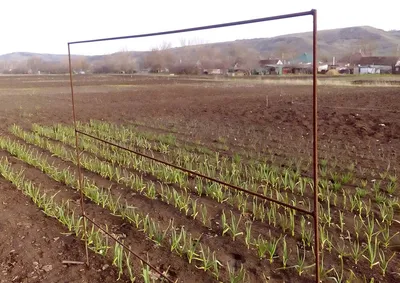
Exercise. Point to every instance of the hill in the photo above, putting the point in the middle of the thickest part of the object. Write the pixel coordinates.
(335, 42)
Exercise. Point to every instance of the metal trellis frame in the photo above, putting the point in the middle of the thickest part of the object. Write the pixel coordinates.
(313, 213)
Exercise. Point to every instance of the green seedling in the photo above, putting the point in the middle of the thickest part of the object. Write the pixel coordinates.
(356, 252)
(372, 251)
(301, 266)
(384, 262)
(261, 245)
(272, 246)
(236, 276)
(234, 227)
(118, 258)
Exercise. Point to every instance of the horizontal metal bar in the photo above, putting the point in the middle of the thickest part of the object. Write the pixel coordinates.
(199, 174)
(258, 20)
(127, 248)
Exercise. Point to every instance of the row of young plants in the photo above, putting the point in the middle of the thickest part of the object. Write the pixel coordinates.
(334, 186)
(258, 176)
(132, 137)
(274, 150)
(266, 248)
(166, 174)
(364, 208)
(96, 239)
(285, 219)
(182, 243)
(231, 170)
(328, 217)
(375, 246)
(181, 199)
(353, 203)
(353, 248)
(160, 142)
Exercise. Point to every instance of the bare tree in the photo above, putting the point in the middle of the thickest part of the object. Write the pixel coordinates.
(124, 61)
(55, 67)
(192, 41)
(165, 45)
(366, 47)
(5, 66)
(183, 42)
(160, 58)
(285, 52)
(34, 64)
(241, 56)
(325, 57)
(80, 63)
(395, 51)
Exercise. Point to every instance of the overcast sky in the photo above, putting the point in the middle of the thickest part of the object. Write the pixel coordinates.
(46, 26)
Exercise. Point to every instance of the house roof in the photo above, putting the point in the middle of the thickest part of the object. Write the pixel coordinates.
(209, 64)
(298, 66)
(269, 61)
(376, 60)
(304, 58)
(351, 58)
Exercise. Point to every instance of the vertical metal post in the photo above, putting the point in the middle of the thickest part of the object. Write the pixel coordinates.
(315, 148)
(78, 158)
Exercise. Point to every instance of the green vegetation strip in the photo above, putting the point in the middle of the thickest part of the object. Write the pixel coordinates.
(370, 226)
(189, 247)
(256, 176)
(166, 174)
(252, 174)
(96, 240)
(189, 206)
(331, 194)
(179, 199)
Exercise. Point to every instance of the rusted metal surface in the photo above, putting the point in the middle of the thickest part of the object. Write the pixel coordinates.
(78, 156)
(315, 147)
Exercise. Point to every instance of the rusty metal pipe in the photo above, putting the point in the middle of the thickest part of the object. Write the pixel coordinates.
(190, 172)
(128, 249)
(77, 154)
(315, 148)
(258, 20)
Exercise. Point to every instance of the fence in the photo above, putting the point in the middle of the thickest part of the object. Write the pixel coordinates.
(78, 132)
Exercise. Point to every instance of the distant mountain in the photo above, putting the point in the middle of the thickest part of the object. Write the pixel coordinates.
(23, 56)
(395, 33)
(335, 42)
(18, 57)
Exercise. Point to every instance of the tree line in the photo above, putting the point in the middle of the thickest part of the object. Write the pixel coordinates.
(190, 58)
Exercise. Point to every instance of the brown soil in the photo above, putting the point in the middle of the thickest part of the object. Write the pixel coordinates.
(356, 124)
(33, 246)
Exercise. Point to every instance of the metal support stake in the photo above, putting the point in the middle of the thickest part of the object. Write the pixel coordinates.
(78, 159)
(315, 148)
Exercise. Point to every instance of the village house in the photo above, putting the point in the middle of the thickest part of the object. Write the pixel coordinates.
(239, 70)
(379, 65)
(209, 67)
(270, 67)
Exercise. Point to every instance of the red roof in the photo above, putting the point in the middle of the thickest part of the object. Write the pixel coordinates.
(376, 60)
(269, 61)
